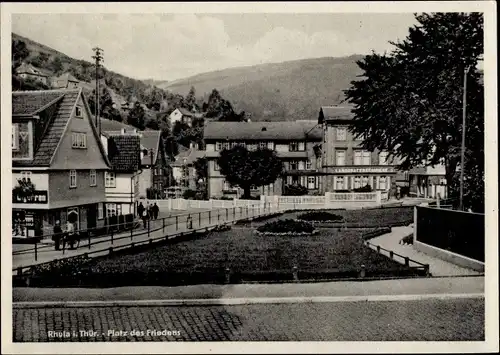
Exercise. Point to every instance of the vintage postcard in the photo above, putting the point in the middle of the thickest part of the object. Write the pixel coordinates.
(249, 177)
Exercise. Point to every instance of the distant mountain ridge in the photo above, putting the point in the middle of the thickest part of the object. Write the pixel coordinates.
(277, 91)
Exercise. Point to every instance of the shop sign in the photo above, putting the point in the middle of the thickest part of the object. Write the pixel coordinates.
(360, 170)
(38, 196)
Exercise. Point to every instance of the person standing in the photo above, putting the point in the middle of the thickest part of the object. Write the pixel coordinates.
(144, 217)
(156, 211)
(57, 234)
(70, 231)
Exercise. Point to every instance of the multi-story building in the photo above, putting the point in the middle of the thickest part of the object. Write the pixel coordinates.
(122, 181)
(183, 168)
(65, 81)
(345, 165)
(155, 170)
(296, 143)
(58, 162)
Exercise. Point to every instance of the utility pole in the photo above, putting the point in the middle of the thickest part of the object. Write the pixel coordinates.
(462, 158)
(98, 59)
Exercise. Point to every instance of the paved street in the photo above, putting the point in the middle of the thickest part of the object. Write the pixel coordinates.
(421, 320)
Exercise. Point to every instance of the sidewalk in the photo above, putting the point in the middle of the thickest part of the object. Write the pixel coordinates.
(254, 292)
(216, 217)
(437, 267)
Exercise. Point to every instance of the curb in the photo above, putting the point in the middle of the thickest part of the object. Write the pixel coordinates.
(243, 301)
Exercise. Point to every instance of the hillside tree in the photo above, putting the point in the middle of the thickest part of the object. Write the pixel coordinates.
(409, 101)
(19, 53)
(136, 116)
(190, 100)
(246, 168)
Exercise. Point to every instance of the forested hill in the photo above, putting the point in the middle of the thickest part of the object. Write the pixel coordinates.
(279, 91)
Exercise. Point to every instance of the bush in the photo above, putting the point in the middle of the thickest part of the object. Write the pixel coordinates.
(320, 216)
(295, 190)
(189, 194)
(366, 188)
(286, 226)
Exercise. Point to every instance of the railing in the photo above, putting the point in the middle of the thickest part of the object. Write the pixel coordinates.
(391, 254)
(190, 221)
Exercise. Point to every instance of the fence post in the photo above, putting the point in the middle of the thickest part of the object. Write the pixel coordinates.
(362, 273)
(149, 227)
(199, 219)
(36, 251)
(391, 254)
(415, 215)
(426, 269)
(209, 216)
(111, 236)
(89, 240)
(19, 271)
(132, 230)
(247, 212)
(163, 224)
(378, 249)
(227, 214)
(110, 250)
(407, 261)
(176, 223)
(218, 216)
(228, 275)
(295, 271)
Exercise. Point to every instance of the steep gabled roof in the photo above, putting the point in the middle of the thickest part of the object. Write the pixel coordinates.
(68, 77)
(124, 153)
(26, 68)
(150, 140)
(29, 103)
(26, 105)
(335, 113)
(262, 131)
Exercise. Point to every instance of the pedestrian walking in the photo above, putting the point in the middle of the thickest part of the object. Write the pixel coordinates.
(145, 217)
(57, 235)
(156, 211)
(140, 209)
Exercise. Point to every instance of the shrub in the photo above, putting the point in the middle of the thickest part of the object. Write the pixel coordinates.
(320, 216)
(366, 188)
(189, 194)
(286, 226)
(295, 190)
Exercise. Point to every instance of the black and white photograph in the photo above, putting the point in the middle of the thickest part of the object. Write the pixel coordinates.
(248, 177)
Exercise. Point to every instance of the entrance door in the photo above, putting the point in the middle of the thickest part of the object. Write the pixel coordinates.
(74, 217)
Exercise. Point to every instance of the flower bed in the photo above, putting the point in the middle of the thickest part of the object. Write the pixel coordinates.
(320, 216)
(287, 227)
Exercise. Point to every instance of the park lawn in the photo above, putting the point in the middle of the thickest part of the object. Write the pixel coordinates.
(242, 250)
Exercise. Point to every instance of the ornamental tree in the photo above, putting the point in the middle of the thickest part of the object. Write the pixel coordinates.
(409, 101)
(244, 168)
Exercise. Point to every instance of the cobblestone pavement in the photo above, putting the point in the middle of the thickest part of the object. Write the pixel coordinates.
(426, 320)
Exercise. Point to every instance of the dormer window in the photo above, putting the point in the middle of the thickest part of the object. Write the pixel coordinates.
(78, 112)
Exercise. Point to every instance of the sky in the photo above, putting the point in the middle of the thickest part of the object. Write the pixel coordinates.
(175, 46)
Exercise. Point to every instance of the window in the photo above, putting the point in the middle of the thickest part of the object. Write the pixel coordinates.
(111, 209)
(340, 157)
(302, 146)
(311, 182)
(301, 165)
(216, 166)
(357, 182)
(93, 178)
(226, 185)
(308, 165)
(339, 183)
(294, 165)
(366, 158)
(72, 178)
(78, 111)
(109, 179)
(364, 181)
(382, 158)
(251, 146)
(341, 133)
(15, 136)
(226, 145)
(358, 154)
(78, 140)
(26, 175)
(270, 145)
(100, 210)
(382, 183)
(263, 145)
(293, 147)
(218, 146)
(234, 144)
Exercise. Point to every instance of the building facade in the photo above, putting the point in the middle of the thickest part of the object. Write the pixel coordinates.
(345, 165)
(296, 144)
(58, 163)
(28, 71)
